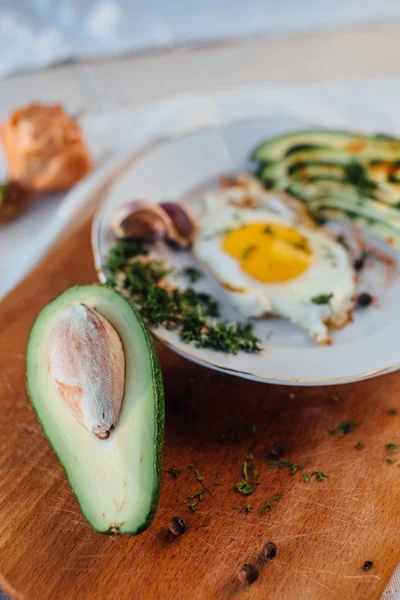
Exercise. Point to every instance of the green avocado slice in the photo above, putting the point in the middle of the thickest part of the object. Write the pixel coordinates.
(359, 146)
(116, 480)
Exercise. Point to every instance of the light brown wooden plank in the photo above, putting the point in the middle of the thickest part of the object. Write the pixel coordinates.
(324, 530)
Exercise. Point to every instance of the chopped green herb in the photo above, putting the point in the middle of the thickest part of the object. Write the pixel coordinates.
(194, 275)
(317, 474)
(254, 429)
(246, 487)
(331, 431)
(248, 508)
(322, 299)
(250, 457)
(346, 427)
(335, 398)
(218, 475)
(246, 251)
(300, 245)
(198, 476)
(270, 505)
(198, 495)
(268, 229)
(192, 314)
(358, 446)
(237, 507)
(393, 411)
(285, 464)
(193, 506)
(392, 446)
(205, 524)
(390, 459)
(175, 472)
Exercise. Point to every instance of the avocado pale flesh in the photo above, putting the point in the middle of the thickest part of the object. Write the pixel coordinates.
(110, 449)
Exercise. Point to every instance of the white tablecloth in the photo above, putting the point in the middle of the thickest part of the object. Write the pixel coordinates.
(36, 33)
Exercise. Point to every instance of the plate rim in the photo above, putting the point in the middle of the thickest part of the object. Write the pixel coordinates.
(132, 158)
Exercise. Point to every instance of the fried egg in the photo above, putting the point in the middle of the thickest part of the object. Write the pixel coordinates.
(272, 260)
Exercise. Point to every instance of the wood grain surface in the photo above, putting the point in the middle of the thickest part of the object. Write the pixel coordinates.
(324, 530)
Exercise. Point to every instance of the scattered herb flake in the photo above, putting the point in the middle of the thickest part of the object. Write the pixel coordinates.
(335, 398)
(268, 229)
(193, 506)
(392, 446)
(331, 431)
(346, 427)
(248, 250)
(322, 299)
(198, 476)
(193, 275)
(285, 464)
(270, 505)
(390, 459)
(317, 474)
(254, 429)
(175, 472)
(218, 475)
(248, 508)
(246, 487)
(358, 446)
(393, 411)
(237, 507)
(198, 495)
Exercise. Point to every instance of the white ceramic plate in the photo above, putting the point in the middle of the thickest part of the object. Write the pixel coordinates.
(182, 168)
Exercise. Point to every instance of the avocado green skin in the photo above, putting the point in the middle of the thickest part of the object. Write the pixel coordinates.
(276, 148)
(158, 390)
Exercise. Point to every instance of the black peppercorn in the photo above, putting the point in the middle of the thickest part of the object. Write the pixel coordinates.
(177, 526)
(367, 565)
(248, 573)
(364, 300)
(270, 550)
(277, 450)
(359, 263)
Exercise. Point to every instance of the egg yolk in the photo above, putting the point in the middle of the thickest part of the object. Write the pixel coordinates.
(269, 253)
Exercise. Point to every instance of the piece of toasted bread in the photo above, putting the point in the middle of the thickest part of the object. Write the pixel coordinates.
(44, 148)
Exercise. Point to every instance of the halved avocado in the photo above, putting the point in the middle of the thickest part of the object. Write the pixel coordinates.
(116, 480)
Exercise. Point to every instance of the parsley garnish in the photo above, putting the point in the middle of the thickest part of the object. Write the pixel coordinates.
(346, 427)
(390, 459)
(317, 474)
(300, 245)
(246, 487)
(194, 275)
(285, 464)
(358, 446)
(393, 411)
(175, 472)
(392, 446)
(198, 476)
(268, 229)
(192, 314)
(270, 505)
(246, 251)
(248, 508)
(322, 299)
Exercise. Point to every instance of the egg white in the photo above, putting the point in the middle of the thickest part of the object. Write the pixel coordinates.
(329, 271)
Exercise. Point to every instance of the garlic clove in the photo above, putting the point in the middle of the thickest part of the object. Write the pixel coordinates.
(183, 220)
(142, 220)
(86, 363)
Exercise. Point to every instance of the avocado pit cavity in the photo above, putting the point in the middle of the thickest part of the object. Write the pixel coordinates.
(86, 364)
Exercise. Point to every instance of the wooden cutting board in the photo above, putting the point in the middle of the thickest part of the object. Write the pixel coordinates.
(324, 530)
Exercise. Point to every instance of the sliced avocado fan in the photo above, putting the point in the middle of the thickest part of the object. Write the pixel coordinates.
(338, 174)
(95, 383)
